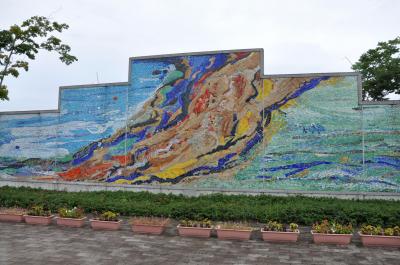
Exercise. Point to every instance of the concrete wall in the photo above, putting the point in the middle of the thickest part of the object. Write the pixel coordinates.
(207, 122)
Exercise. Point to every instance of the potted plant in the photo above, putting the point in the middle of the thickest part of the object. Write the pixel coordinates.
(235, 231)
(107, 220)
(74, 217)
(14, 214)
(277, 232)
(195, 228)
(38, 215)
(149, 225)
(377, 236)
(332, 233)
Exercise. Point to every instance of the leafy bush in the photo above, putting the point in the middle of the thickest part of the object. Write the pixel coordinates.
(205, 223)
(274, 226)
(379, 231)
(388, 232)
(396, 230)
(107, 216)
(326, 227)
(371, 230)
(71, 213)
(293, 227)
(38, 210)
(279, 227)
(216, 207)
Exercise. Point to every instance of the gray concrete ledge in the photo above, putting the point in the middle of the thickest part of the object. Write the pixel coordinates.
(91, 186)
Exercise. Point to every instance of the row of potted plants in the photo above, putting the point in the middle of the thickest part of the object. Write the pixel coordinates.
(272, 231)
(74, 217)
(322, 232)
(335, 233)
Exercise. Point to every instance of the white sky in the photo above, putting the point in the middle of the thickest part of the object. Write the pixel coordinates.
(297, 36)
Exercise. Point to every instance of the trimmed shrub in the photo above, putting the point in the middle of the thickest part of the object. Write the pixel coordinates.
(216, 207)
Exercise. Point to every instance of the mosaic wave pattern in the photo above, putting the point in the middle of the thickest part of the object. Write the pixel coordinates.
(209, 121)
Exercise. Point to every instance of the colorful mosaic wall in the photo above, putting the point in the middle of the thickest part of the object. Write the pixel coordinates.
(209, 121)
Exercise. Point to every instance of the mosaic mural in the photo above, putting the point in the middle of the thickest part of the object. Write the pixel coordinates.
(209, 121)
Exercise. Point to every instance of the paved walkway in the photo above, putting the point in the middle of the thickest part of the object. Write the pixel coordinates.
(32, 244)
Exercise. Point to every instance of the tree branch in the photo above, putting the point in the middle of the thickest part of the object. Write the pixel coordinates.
(7, 62)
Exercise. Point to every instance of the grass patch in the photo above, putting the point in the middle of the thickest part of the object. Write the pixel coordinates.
(216, 207)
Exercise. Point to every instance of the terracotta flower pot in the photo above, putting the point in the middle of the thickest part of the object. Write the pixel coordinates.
(338, 239)
(105, 225)
(384, 241)
(194, 231)
(148, 229)
(38, 220)
(71, 222)
(233, 234)
(273, 236)
(11, 217)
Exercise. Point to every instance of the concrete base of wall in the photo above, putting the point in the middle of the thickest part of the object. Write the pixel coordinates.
(87, 186)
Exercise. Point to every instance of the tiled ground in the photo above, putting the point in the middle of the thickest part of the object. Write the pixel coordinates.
(32, 244)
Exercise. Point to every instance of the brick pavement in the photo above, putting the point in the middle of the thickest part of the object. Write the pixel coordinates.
(32, 244)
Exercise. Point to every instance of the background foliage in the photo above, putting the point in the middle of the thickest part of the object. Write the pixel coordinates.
(22, 42)
(380, 69)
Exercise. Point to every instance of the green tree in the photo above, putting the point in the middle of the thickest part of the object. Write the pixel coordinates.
(380, 69)
(19, 43)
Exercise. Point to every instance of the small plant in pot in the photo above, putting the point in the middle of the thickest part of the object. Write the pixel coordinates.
(234, 231)
(332, 233)
(107, 220)
(378, 236)
(277, 232)
(74, 217)
(37, 214)
(192, 228)
(14, 214)
(149, 225)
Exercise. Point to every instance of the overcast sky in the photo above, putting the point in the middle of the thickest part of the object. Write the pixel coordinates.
(297, 36)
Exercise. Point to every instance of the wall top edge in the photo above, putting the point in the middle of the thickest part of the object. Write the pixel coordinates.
(380, 103)
(22, 112)
(311, 74)
(194, 53)
(95, 85)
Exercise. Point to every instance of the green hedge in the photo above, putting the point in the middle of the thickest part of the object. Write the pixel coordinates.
(217, 207)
